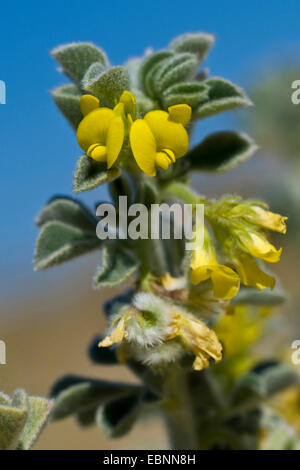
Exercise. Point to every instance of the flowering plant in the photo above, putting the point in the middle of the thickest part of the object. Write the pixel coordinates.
(186, 325)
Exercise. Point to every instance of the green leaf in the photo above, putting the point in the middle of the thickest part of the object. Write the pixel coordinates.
(89, 174)
(264, 381)
(67, 210)
(252, 296)
(223, 96)
(197, 43)
(278, 378)
(92, 74)
(191, 93)
(173, 70)
(85, 395)
(76, 58)
(67, 99)
(108, 85)
(59, 242)
(117, 417)
(133, 67)
(150, 67)
(115, 268)
(38, 412)
(12, 420)
(103, 356)
(221, 151)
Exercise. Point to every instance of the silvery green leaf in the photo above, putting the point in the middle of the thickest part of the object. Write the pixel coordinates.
(39, 409)
(191, 93)
(222, 96)
(69, 211)
(252, 296)
(181, 67)
(86, 394)
(197, 43)
(75, 58)
(117, 417)
(92, 74)
(59, 242)
(108, 85)
(133, 67)
(115, 268)
(12, 420)
(144, 104)
(90, 174)
(67, 99)
(221, 151)
(150, 65)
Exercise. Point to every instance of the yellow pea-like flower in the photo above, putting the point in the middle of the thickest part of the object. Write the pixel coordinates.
(256, 245)
(101, 132)
(160, 138)
(197, 338)
(204, 266)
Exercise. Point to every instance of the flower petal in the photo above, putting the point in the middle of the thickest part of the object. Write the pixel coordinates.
(88, 103)
(225, 281)
(180, 113)
(143, 146)
(94, 127)
(168, 134)
(115, 139)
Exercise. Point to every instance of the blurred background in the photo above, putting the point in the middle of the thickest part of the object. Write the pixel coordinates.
(48, 318)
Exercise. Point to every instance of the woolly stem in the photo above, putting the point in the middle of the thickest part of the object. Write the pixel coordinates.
(178, 410)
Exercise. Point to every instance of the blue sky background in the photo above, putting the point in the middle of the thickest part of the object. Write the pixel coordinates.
(38, 151)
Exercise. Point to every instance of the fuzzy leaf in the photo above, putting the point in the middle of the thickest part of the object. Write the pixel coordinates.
(222, 96)
(103, 356)
(59, 242)
(87, 417)
(117, 417)
(191, 93)
(264, 381)
(115, 268)
(67, 99)
(89, 174)
(198, 43)
(150, 67)
(221, 151)
(92, 74)
(12, 420)
(252, 296)
(175, 69)
(76, 58)
(38, 412)
(67, 210)
(109, 84)
(85, 395)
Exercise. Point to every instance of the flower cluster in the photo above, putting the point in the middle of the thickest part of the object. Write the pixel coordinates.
(157, 140)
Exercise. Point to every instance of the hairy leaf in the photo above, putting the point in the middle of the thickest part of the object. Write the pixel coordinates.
(115, 268)
(59, 242)
(75, 58)
(89, 174)
(109, 84)
(67, 99)
(221, 151)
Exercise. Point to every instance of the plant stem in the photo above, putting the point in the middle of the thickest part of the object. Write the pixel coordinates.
(178, 410)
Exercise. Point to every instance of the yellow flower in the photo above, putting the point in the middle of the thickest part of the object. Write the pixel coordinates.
(259, 216)
(117, 335)
(160, 138)
(250, 273)
(256, 245)
(197, 338)
(101, 132)
(204, 266)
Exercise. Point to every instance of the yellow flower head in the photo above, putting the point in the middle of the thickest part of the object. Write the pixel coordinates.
(160, 138)
(197, 338)
(204, 266)
(102, 130)
(256, 245)
(250, 273)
